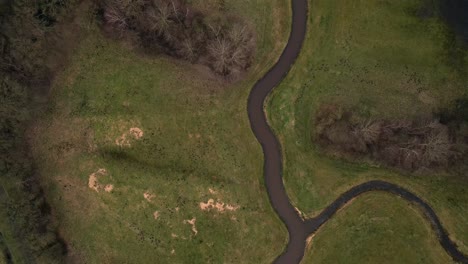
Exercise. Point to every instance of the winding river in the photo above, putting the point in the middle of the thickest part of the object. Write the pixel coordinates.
(298, 228)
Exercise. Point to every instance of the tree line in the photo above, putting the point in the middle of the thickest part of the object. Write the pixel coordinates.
(27, 31)
(223, 42)
(412, 145)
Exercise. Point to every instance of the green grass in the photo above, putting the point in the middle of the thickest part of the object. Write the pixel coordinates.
(366, 222)
(379, 59)
(196, 138)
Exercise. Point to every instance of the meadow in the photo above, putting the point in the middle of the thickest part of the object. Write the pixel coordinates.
(383, 59)
(366, 222)
(146, 158)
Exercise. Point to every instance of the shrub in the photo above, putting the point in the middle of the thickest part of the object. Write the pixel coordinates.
(405, 144)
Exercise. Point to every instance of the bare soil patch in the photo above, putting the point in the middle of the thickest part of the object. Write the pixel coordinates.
(109, 187)
(156, 215)
(192, 223)
(149, 196)
(125, 139)
(93, 181)
(220, 206)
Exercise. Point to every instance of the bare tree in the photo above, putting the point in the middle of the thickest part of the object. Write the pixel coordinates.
(216, 29)
(130, 7)
(116, 18)
(368, 131)
(232, 49)
(187, 49)
(437, 149)
(219, 51)
(410, 157)
(239, 34)
(238, 57)
(175, 9)
(160, 19)
(396, 125)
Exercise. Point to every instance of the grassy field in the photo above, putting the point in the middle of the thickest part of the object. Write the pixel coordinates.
(381, 60)
(131, 149)
(365, 222)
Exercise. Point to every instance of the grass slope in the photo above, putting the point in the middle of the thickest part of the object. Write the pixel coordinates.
(196, 145)
(380, 59)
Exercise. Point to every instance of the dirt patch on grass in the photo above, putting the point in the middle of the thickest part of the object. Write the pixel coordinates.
(93, 181)
(136, 132)
(197, 136)
(125, 139)
(149, 196)
(218, 205)
(192, 223)
(156, 215)
(109, 188)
